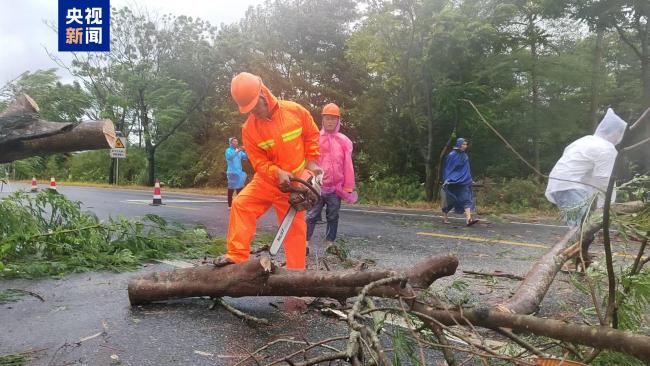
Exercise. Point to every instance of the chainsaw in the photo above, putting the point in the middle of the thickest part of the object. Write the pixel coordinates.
(301, 197)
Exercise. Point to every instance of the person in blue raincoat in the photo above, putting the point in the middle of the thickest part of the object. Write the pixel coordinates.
(235, 174)
(457, 184)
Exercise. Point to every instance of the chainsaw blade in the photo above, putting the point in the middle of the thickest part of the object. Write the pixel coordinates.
(282, 231)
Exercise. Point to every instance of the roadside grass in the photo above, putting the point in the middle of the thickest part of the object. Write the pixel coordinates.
(10, 295)
(12, 360)
(49, 235)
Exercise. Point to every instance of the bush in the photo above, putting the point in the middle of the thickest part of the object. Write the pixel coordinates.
(512, 195)
(506, 195)
(89, 166)
(391, 190)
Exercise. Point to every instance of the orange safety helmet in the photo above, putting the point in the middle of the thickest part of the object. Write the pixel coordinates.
(332, 110)
(245, 90)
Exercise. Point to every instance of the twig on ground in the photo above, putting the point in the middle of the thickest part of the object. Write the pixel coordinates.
(240, 314)
(34, 294)
(520, 341)
(482, 354)
(284, 340)
(495, 274)
(427, 319)
(442, 339)
(591, 356)
(250, 355)
(314, 345)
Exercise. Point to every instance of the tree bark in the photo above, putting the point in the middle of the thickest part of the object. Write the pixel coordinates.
(535, 91)
(538, 280)
(429, 169)
(151, 165)
(257, 277)
(645, 65)
(595, 336)
(111, 172)
(531, 291)
(596, 75)
(24, 134)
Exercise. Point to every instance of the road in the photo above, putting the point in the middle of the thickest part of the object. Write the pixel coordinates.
(186, 332)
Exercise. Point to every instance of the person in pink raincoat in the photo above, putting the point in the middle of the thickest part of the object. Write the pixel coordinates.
(338, 182)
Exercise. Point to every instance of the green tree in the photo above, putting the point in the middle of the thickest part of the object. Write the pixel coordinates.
(158, 73)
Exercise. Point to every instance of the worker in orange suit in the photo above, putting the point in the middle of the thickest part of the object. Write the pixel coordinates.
(281, 140)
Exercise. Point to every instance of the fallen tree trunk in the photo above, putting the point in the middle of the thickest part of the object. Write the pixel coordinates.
(531, 291)
(538, 280)
(24, 134)
(258, 277)
(599, 337)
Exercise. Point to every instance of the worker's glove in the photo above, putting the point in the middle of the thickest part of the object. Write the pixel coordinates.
(302, 198)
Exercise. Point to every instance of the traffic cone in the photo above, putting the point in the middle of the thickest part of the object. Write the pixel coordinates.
(53, 184)
(34, 185)
(157, 197)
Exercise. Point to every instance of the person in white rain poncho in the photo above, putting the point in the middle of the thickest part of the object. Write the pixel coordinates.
(585, 168)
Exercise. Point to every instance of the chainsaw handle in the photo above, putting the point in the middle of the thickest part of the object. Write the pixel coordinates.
(304, 183)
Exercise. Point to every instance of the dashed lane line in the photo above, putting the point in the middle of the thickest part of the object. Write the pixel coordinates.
(439, 217)
(485, 240)
(508, 242)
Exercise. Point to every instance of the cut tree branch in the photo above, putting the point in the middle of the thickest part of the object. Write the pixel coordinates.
(257, 277)
(24, 134)
(531, 291)
(638, 144)
(637, 123)
(593, 336)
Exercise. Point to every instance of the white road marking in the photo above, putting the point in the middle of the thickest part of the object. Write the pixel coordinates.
(177, 201)
(440, 217)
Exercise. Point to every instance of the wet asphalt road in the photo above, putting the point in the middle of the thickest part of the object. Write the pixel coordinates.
(185, 332)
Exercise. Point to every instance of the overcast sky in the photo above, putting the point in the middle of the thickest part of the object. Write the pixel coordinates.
(24, 36)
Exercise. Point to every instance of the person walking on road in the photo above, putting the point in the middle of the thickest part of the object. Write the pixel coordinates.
(457, 184)
(235, 174)
(281, 141)
(584, 169)
(338, 181)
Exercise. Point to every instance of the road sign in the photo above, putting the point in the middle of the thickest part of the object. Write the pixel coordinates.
(119, 151)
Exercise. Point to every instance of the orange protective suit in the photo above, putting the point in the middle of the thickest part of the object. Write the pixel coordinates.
(286, 141)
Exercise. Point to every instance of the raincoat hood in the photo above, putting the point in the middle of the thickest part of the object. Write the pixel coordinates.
(271, 100)
(611, 128)
(334, 132)
(459, 142)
